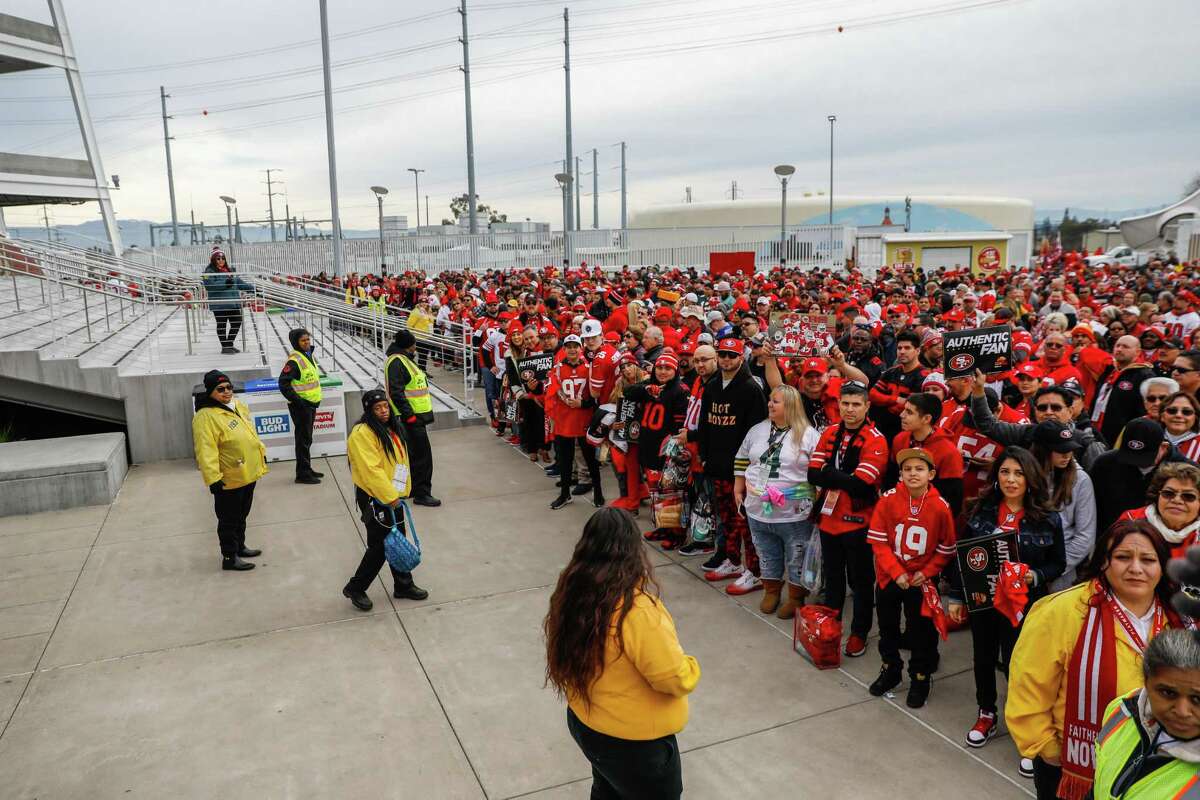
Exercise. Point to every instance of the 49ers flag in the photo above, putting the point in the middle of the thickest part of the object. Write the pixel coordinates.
(987, 349)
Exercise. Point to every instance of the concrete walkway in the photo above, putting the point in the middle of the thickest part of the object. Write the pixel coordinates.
(131, 665)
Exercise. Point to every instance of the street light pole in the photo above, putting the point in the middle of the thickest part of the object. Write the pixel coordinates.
(333, 195)
(564, 181)
(832, 119)
(229, 204)
(380, 191)
(784, 171)
(417, 177)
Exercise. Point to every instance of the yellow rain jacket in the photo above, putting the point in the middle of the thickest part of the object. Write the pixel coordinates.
(420, 322)
(227, 447)
(1037, 682)
(381, 476)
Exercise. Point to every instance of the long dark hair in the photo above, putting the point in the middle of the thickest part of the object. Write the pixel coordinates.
(1108, 542)
(1064, 477)
(1036, 500)
(608, 568)
(382, 430)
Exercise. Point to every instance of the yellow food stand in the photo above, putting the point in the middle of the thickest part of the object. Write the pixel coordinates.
(984, 252)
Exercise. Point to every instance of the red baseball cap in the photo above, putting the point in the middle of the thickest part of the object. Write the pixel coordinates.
(811, 365)
(687, 348)
(731, 345)
(1030, 370)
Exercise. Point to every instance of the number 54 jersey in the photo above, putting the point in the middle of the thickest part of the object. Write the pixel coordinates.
(911, 535)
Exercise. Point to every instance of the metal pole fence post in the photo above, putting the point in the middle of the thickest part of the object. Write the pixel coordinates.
(87, 315)
(16, 291)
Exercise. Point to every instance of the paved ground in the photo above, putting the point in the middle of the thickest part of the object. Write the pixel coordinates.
(130, 665)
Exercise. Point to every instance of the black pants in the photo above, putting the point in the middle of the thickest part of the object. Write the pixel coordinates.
(1045, 779)
(229, 322)
(232, 507)
(303, 417)
(624, 769)
(922, 636)
(992, 640)
(849, 554)
(533, 426)
(420, 459)
(564, 459)
(379, 524)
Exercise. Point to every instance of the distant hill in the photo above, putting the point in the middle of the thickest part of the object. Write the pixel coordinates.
(1056, 214)
(136, 233)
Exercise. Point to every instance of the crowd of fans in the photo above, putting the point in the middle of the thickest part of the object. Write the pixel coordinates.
(1085, 451)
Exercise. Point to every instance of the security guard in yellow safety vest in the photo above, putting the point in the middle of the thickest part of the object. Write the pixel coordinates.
(379, 467)
(231, 460)
(408, 392)
(1148, 747)
(300, 383)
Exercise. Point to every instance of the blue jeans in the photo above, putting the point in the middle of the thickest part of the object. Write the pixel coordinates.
(491, 391)
(780, 546)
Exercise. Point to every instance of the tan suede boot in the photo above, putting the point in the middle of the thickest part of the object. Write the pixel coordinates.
(795, 599)
(770, 600)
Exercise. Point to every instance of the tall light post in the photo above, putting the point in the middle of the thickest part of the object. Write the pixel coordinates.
(784, 171)
(832, 119)
(229, 204)
(417, 177)
(564, 182)
(380, 191)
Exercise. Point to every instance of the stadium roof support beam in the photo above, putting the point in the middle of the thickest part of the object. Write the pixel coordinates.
(35, 180)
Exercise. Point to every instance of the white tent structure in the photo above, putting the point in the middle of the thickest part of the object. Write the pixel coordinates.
(1160, 229)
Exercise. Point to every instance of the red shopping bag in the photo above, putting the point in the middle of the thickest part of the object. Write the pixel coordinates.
(817, 632)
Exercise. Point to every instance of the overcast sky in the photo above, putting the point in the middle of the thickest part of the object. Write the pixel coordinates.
(1065, 102)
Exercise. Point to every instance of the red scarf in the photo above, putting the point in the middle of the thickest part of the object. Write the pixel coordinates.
(931, 606)
(1092, 685)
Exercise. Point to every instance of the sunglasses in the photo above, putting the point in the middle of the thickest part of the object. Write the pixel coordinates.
(224, 387)
(1171, 494)
(1181, 370)
(1156, 398)
(1049, 407)
(1180, 411)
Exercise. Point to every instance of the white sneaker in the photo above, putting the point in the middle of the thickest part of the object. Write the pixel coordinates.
(727, 570)
(747, 583)
(1026, 768)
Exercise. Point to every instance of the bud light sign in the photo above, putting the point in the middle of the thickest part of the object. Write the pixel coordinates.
(269, 424)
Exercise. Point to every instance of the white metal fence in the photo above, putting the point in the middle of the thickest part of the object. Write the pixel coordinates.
(808, 246)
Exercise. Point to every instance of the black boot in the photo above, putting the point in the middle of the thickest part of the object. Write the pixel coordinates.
(560, 501)
(316, 474)
(247, 552)
(409, 591)
(918, 691)
(235, 563)
(889, 678)
(311, 479)
(358, 598)
(581, 489)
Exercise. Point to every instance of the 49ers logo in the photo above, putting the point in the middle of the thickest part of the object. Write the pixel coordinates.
(977, 559)
(962, 362)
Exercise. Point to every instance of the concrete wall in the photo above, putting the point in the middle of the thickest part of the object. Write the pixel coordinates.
(53, 474)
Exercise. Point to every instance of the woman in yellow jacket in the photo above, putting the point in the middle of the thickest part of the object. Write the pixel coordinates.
(420, 322)
(231, 459)
(612, 651)
(1080, 649)
(379, 468)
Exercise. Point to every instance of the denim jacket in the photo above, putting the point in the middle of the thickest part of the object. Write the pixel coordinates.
(1040, 545)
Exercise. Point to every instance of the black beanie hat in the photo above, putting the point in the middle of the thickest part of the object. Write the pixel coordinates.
(404, 339)
(371, 397)
(214, 377)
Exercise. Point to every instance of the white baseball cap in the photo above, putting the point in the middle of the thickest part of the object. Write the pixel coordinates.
(591, 327)
(571, 339)
(691, 311)
(691, 297)
(713, 316)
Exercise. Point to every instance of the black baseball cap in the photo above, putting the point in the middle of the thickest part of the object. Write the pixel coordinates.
(1055, 436)
(1140, 443)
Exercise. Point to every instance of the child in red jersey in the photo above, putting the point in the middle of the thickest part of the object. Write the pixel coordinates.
(912, 536)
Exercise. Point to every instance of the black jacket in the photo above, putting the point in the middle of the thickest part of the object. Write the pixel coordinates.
(1120, 487)
(291, 371)
(660, 417)
(1040, 544)
(1015, 433)
(1124, 400)
(397, 378)
(726, 414)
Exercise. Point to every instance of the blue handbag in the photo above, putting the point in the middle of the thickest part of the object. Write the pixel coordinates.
(402, 555)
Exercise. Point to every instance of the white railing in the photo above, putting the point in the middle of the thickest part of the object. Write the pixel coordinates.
(807, 246)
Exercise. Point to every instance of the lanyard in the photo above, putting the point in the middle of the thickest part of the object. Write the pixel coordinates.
(774, 445)
(1123, 618)
(842, 445)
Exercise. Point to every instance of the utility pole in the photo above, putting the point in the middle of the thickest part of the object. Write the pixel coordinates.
(46, 219)
(427, 210)
(271, 201)
(571, 219)
(417, 177)
(832, 119)
(193, 228)
(466, 70)
(162, 94)
(287, 221)
(595, 192)
(687, 191)
(578, 215)
(333, 196)
(733, 190)
(623, 220)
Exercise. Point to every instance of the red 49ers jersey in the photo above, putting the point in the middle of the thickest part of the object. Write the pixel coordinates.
(910, 536)
(973, 444)
(569, 382)
(603, 372)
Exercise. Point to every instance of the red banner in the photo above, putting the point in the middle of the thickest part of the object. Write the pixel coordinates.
(731, 263)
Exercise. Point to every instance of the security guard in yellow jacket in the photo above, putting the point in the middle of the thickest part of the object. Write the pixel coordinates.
(231, 459)
(408, 391)
(300, 383)
(379, 467)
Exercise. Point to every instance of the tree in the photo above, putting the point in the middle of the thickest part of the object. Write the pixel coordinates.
(1192, 186)
(460, 209)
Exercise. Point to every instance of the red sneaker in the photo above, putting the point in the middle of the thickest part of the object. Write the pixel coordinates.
(855, 646)
(983, 729)
(513, 440)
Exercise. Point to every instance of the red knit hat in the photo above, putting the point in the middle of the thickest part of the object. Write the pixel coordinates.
(667, 359)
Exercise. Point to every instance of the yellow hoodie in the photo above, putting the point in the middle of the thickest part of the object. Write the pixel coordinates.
(227, 447)
(381, 476)
(642, 693)
(1037, 674)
